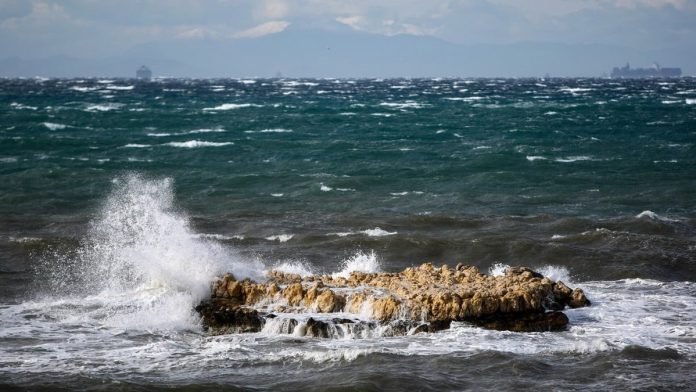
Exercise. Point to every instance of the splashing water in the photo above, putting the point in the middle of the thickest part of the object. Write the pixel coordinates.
(143, 261)
(498, 269)
(360, 261)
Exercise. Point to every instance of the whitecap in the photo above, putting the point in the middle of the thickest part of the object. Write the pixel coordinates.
(532, 158)
(280, 237)
(271, 130)
(197, 143)
(163, 134)
(54, 126)
(342, 234)
(277, 194)
(403, 105)
(377, 232)
(575, 90)
(669, 161)
(647, 214)
(120, 88)
(325, 188)
(83, 89)
(20, 106)
(466, 99)
(573, 159)
(103, 107)
(23, 240)
(134, 145)
(232, 106)
(691, 101)
(207, 130)
(558, 237)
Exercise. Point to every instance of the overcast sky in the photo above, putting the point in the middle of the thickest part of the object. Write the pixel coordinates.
(93, 28)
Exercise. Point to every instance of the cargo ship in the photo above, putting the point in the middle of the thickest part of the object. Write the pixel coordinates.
(653, 72)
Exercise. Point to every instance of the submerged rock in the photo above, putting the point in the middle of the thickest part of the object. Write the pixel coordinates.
(420, 299)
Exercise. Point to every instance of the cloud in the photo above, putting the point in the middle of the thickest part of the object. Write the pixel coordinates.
(267, 28)
(197, 32)
(272, 9)
(108, 27)
(42, 14)
(679, 4)
(385, 27)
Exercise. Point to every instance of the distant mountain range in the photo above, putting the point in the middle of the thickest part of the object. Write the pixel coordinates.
(319, 53)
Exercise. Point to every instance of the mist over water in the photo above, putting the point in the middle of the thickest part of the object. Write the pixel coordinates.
(121, 202)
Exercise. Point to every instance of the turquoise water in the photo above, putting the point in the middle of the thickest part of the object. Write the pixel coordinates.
(593, 178)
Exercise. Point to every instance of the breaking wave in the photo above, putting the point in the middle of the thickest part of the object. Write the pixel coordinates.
(142, 263)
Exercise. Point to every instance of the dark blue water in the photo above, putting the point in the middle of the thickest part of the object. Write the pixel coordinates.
(121, 200)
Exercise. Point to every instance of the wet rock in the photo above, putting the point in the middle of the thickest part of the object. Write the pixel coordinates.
(327, 301)
(423, 298)
(578, 299)
(294, 293)
(221, 317)
(316, 328)
(524, 322)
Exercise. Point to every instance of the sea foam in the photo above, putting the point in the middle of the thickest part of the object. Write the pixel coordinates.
(103, 107)
(647, 214)
(197, 143)
(231, 106)
(54, 126)
(377, 232)
(271, 130)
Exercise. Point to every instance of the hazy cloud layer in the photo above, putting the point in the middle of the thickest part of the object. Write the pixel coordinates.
(97, 29)
(39, 26)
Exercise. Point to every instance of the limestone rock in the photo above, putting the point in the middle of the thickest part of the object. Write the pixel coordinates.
(424, 298)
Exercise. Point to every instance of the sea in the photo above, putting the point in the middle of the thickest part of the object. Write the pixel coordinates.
(121, 201)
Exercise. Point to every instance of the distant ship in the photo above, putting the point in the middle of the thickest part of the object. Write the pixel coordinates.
(143, 73)
(653, 72)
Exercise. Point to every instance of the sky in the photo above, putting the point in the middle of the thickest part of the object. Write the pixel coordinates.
(103, 28)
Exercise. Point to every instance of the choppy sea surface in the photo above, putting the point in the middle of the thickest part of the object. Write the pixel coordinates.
(121, 201)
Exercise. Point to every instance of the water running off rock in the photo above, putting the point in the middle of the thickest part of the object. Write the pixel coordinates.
(422, 299)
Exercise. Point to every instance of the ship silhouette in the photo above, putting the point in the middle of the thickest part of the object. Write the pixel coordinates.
(656, 71)
(143, 73)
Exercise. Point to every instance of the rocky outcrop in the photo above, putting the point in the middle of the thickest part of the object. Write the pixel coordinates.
(421, 299)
